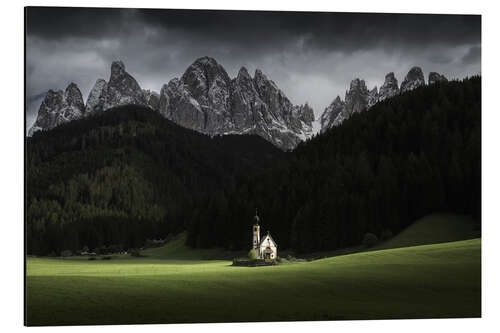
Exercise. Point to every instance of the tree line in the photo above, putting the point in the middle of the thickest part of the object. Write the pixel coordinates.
(122, 176)
(127, 175)
(382, 169)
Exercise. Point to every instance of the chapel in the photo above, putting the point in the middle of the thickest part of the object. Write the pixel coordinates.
(266, 247)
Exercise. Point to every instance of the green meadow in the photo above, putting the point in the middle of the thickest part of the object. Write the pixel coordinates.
(433, 229)
(174, 284)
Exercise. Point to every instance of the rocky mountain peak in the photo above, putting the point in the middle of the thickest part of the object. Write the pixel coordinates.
(306, 114)
(390, 88)
(262, 83)
(243, 75)
(178, 104)
(258, 73)
(333, 114)
(73, 96)
(206, 61)
(72, 87)
(436, 77)
(414, 79)
(356, 99)
(205, 71)
(357, 84)
(389, 77)
(122, 88)
(152, 99)
(96, 98)
(259, 78)
(244, 82)
(204, 99)
(59, 107)
(372, 97)
(172, 83)
(207, 100)
(208, 83)
(117, 69)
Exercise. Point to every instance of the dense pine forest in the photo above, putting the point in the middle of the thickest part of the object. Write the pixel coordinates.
(126, 175)
(379, 171)
(120, 177)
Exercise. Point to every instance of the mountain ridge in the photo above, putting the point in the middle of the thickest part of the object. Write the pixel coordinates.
(359, 98)
(205, 99)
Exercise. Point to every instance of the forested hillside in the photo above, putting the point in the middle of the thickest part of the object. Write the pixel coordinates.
(406, 157)
(125, 175)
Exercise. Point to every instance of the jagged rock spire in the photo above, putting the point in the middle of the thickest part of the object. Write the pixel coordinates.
(390, 88)
(97, 97)
(207, 100)
(359, 98)
(117, 70)
(333, 114)
(59, 107)
(356, 99)
(122, 88)
(215, 104)
(436, 77)
(414, 79)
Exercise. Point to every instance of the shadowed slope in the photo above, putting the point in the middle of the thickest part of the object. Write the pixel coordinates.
(176, 249)
(433, 229)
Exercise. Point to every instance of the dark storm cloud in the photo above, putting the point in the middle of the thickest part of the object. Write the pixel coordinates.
(329, 31)
(311, 56)
(57, 23)
(472, 56)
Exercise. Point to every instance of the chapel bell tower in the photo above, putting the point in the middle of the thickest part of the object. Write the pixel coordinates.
(256, 231)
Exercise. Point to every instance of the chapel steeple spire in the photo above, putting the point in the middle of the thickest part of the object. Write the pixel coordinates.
(256, 230)
(256, 217)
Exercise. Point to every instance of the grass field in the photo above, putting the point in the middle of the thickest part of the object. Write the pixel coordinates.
(176, 249)
(429, 281)
(433, 229)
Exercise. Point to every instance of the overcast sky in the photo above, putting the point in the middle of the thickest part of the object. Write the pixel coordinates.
(312, 57)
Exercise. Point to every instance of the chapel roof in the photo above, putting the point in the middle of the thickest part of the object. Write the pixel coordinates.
(264, 238)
